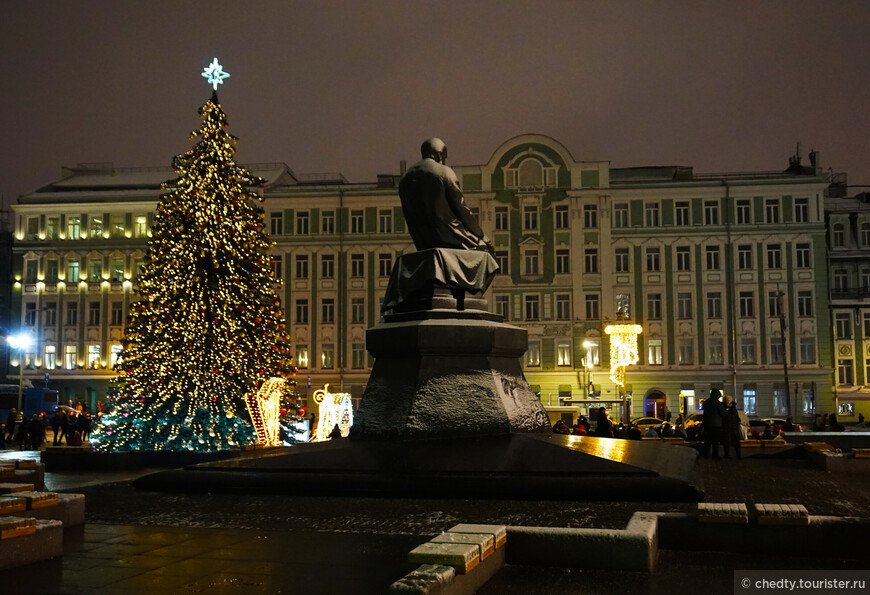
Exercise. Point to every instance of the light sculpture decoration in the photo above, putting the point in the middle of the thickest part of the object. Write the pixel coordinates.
(623, 349)
(264, 407)
(335, 408)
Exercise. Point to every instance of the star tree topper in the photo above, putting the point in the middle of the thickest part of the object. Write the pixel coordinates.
(215, 74)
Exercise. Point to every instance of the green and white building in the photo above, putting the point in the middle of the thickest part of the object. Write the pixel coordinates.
(727, 274)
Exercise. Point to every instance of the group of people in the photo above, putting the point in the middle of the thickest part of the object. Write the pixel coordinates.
(605, 427)
(30, 434)
(721, 425)
(828, 423)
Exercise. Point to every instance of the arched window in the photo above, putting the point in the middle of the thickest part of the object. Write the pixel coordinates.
(531, 173)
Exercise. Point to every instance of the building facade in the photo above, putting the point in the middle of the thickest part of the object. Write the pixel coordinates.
(727, 274)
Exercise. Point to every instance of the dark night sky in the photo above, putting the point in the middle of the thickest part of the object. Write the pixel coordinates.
(355, 86)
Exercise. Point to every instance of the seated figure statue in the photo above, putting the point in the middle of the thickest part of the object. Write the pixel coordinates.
(453, 256)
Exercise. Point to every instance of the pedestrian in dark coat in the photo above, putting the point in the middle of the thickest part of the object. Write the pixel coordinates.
(731, 433)
(10, 424)
(54, 422)
(714, 416)
(603, 427)
(65, 426)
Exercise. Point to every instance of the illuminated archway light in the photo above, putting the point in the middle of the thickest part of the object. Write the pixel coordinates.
(264, 407)
(335, 408)
(623, 349)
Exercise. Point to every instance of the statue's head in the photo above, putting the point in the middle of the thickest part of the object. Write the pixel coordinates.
(434, 148)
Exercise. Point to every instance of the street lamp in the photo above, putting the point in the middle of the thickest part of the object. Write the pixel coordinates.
(587, 366)
(21, 342)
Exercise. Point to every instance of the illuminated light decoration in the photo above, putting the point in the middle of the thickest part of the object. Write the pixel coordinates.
(215, 74)
(623, 349)
(207, 327)
(264, 407)
(335, 408)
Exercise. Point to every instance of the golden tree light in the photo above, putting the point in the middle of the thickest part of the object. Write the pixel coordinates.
(335, 408)
(623, 349)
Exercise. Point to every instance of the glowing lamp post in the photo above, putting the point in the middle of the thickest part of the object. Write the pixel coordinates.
(20, 342)
(623, 352)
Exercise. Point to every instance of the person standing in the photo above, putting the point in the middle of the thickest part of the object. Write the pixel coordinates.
(10, 424)
(602, 427)
(731, 433)
(54, 422)
(714, 416)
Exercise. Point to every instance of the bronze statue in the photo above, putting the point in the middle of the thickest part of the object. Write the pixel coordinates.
(434, 208)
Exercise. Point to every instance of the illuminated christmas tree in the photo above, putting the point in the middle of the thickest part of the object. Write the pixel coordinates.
(208, 327)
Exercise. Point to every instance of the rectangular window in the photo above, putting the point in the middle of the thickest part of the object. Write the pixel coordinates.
(843, 325)
(749, 401)
(867, 326)
(301, 356)
(840, 279)
(805, 303)
(357, 265)
(654, 352)
(385, 221)
(357, 221)
(52, 228)
(302, 311)
(50, 357)
(651, 214)
(563, 306)
(562, 220)
(96, 226)
(620, 215)
(358, 356)
(623, 306)
(72, 271)
(327, 356)
(681, 213)
(653, 259)
(70, 357)
(30, 314)
(780, 402)
(95, 269)
(711, 212)
(845, 372)
(501, 218)
(32, 228)
(140, 226)
(590, 216)
(774, 256)
(502, 306)
(138, 264)
(385, 264)
(276, 224)
(563, 261)
(590, 258)
(278, 266)
(744, 257)
(327, 266)
(592, 310)
(714, 262)
(684, 258)
(50, 314)
(302, 220)
(684, 306)
(357, 310)
(530, 217)
(51, 270)
(532, 307)
(118, 270)
(119, 226)
(802, 256)
(301, 266)
(774, 303)
(744, 212)
(93, 357)
(808, 350)
(31, 271)
(327, 222)
(115, 355)
(771, 210)
(533, 354)
(748, 354)
(715, 351)
(531, 262)
(686, 352)
(563, 353)
(777, 350)
(72, 314)
(654, 306)
(714, 305)
(117, 313)
(801, 210)
(73, 228)
(327, 310)
(621, 260)
(747, 304)
(93, 313)
(865, 279)
(501, 259)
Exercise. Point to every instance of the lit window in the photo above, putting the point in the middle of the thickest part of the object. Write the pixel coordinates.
(563, 353)
(302, 356)
(73, 228)
(69, 357)
(533, 354)
(654, 352)
(50, 357)
(327, 356)
(93, 357)
(140, 229)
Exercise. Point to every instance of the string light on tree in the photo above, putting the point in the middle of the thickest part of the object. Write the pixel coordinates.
(623, 349)
(208, 327)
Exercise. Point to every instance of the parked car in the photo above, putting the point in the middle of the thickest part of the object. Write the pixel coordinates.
(644, 423)
(778, 421)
